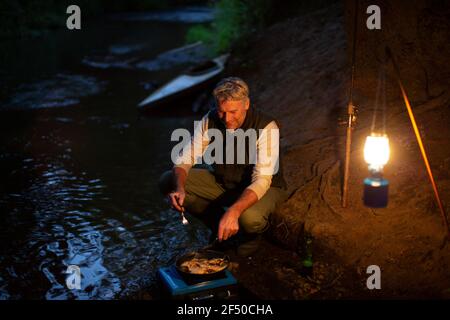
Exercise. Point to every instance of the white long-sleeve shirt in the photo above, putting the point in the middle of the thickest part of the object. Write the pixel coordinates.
(267, 144)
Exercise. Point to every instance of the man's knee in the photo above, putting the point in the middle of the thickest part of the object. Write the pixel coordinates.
(253, 221)
(165, 182)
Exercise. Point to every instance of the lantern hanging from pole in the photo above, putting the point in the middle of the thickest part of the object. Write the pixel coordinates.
(376, 154)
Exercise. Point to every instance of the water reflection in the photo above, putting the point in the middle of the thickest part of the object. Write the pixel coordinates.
(128, 58)
(117, 252)
(61, 90)
(186, 15)
(79, 184)
(190, 54)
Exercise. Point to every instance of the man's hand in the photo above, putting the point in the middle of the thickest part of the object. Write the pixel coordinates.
(176, 199)
(229, 224)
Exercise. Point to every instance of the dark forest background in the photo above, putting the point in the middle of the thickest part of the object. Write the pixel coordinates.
(235, 19)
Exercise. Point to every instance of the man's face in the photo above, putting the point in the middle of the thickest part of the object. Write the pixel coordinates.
(232, 113)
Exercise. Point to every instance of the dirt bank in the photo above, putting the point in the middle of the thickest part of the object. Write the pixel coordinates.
(299, 71)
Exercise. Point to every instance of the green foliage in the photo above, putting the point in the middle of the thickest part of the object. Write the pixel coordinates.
(199, 33)
(234, 20)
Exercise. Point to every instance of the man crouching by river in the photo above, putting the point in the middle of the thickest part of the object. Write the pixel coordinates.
(240, 190)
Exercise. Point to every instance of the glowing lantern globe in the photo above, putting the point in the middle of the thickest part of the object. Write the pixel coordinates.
(376, 154)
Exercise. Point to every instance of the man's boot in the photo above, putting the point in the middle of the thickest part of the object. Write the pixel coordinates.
(249, 245)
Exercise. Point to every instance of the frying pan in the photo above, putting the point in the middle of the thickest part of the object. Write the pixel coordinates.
(202, 254)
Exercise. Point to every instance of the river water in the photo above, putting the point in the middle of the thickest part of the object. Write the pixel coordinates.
(79, 165)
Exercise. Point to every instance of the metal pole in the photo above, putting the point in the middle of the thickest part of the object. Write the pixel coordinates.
(351, 114)
(348, 145)
(419, 140)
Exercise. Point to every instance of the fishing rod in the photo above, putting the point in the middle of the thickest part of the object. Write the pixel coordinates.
(351, 112)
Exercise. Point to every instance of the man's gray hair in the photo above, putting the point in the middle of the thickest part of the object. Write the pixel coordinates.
(231, 88)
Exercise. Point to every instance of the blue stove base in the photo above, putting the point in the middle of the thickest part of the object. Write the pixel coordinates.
(178, 287)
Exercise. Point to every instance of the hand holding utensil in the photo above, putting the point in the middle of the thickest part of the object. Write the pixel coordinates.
(185, 221)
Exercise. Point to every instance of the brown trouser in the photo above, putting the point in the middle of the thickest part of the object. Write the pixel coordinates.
(205, 198)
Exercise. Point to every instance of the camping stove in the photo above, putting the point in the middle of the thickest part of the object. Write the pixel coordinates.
(223, 287)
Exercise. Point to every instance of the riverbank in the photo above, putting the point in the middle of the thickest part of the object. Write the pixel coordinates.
(299, 70)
